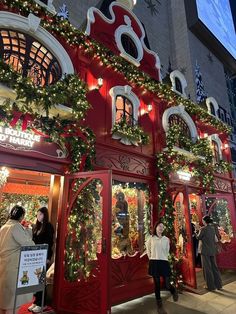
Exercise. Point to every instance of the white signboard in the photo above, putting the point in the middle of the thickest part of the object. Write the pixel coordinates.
(32, 266)
(17, 137)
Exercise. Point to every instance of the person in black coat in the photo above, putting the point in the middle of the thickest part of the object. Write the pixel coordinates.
(43, 233)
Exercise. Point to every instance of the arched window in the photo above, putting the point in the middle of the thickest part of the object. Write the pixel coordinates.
(129, 46)
(212, 109)
(216, 153)
(29, 57)
(124, 110)
(178, 85)
(175, 119)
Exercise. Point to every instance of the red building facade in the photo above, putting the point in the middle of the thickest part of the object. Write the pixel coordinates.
(155, 154)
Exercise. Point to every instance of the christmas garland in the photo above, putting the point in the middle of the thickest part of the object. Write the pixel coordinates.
(133, 133)
(202, 169)
(104, 56)
(84, 233)
(31, 99)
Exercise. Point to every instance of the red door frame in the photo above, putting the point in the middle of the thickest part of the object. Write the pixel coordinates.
(105, 257)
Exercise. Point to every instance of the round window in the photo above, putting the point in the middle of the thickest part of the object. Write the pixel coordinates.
(129, 46)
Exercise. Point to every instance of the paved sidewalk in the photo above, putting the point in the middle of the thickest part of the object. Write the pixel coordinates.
(223, 301)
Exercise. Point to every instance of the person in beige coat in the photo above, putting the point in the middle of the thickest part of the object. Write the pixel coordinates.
(12, 236)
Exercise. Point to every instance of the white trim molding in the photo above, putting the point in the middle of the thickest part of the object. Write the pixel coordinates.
(125, 91)
(180, 111)
(214, 103)
(126, 29)
(215, 138)
(177, 74)
(31, 25)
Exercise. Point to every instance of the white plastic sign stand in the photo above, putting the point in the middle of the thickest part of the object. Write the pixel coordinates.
(31, 275)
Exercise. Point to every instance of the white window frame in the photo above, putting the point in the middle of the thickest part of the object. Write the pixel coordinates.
(180, 111)
(215, 105)
(215, 137)
(177, 74)
(125, 91)
(31, 25)
(141, 46)
(128, 30)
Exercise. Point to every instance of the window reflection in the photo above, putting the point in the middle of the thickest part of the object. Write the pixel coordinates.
(219, 211)
(129, 214)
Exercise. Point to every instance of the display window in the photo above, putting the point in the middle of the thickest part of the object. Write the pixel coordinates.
(130, 217)
(219, 210)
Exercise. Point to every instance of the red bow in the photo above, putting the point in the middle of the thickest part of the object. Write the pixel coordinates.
(26, 119)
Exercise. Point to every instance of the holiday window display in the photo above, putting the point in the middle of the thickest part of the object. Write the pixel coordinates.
(130, 218)
(219, 212)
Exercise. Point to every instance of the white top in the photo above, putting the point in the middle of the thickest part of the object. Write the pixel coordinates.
(158, 248)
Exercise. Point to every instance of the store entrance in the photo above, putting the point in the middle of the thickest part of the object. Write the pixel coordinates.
(31, 190)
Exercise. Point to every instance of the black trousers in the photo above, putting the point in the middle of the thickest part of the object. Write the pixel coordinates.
(38, 297)
(168, 286)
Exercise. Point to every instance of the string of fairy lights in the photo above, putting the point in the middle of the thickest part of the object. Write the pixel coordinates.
(95, 50)
(71, 90)
(31, 100)
(202, 169)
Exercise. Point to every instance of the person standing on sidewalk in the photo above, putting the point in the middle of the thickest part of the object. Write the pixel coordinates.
(158, 247)
(209, 238)
(12, 237)
(43, 233)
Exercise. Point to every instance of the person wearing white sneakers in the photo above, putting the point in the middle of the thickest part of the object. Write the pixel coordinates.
(43, 233)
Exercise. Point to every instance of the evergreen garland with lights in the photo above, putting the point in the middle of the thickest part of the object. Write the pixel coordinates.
(105, 57)
(32, 99)
(84, 232)
(202, 169)
(73, 92)
(134, 133)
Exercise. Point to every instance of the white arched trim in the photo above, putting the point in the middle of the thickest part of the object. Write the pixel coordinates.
(128, 30)
(214, 103)
(91, 20)
(126, 92)
(177, 74)
(31, 26)
(215, 138)
(180, 110)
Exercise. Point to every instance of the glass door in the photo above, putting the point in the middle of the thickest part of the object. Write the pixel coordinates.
(82, 270)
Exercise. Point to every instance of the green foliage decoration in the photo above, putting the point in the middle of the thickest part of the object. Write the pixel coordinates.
(105, 57)
(31, 99)
(199, 163)
(133, 133)
(83, 232)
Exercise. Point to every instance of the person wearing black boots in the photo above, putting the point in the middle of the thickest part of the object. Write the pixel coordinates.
(158, 247)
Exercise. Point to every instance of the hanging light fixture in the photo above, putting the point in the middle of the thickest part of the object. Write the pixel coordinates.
(4, 174)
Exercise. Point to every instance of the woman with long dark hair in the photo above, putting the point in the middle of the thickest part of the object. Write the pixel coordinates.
(43, 233)
(158, 247)
(12, 237)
